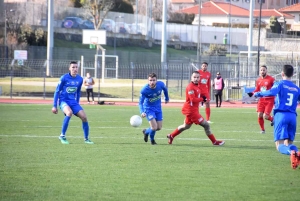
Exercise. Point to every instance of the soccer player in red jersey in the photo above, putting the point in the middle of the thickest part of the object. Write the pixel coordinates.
(265, 104)
(191, 111)
(204, 86)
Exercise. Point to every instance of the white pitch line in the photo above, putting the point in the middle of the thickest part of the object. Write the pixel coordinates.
(138, 138)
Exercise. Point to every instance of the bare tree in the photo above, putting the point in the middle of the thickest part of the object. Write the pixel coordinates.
(98, 10)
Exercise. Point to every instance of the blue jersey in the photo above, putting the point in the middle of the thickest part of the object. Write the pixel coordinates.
(150, 99)
(287, 96)
(68, 89)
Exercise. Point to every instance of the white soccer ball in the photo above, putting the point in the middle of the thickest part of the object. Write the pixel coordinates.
(136, 121)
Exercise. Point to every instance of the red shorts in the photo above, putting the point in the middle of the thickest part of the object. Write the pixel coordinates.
(195, 118)
(207, 95)
(265, 106)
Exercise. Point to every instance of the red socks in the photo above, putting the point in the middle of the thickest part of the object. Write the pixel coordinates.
(261, 123)
(212, 138)
(270, 118)
(207, 112)
(175, 133)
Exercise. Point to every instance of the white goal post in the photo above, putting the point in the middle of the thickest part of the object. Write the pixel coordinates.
(104, 69)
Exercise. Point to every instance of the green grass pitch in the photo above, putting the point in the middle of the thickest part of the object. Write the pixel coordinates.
(34, 165)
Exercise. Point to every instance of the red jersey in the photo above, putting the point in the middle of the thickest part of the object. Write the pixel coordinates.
(192, 99)
(263, 84)
(204, 82)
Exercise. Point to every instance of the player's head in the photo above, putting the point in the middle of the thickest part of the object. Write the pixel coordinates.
(204, 66)
(288, 71)
(218, 74)
(195, 77)
(263, 70)
(88, 75)
(152, 79)
(73, 68)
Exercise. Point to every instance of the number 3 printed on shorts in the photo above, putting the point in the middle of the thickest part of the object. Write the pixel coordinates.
(290, 99)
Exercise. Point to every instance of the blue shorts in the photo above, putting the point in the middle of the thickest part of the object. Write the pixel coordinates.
(285, 125)
(75, 107)
(154, 115)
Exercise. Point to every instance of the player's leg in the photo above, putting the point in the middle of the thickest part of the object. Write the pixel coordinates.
(217, 100)
(68, 114)
(88, 95)
(79, 112)
(186, 125)
(284, 135)
(153, 126)
(151, 117)
(260, 111)
(207, 106)
(220, 98)
(92, 93)
(209, 134)
(268, 110)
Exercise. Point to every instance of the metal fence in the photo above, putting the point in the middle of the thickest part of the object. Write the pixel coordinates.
(29, 77)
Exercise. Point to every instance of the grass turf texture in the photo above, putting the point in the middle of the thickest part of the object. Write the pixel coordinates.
(34, 165)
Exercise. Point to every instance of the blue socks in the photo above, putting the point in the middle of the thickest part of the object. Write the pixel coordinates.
(152, 134)
(148, 131)
(287, 149)
(86, 128)
(65, 125)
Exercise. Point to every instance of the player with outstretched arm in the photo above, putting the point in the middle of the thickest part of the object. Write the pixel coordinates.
(191, 111)
(285, 115)
(265, 104)
(150, 105)
(67, 95)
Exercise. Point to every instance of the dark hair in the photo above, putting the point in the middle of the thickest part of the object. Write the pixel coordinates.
(197, 72)
(288, 70)
(152, 75)
(218, 73)
(264, 66)
(205, 63)
(73, 62)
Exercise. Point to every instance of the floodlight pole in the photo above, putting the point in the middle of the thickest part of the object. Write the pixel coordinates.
(258, 46)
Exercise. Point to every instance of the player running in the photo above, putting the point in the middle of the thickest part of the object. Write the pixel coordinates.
(67, 94)
(204, 85)
(265, 104)
(191, 111)
(150, 105)
(285, 116)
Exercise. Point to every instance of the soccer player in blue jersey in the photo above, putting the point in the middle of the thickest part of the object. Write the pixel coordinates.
(67, 95)
(150, 105)
(285, 116)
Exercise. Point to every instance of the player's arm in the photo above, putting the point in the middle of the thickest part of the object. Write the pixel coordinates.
(93, 81)
(141, 104)
(192, 97)
(209, 83)
(78, 92)
(223, 84)
(166, 93)
(56, 94)
(250, 94)
(272, 92)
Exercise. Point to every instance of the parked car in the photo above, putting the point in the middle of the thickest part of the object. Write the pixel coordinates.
(137, 28)
(108, 25)
(122, 27)
(88, 24)
(73, 23)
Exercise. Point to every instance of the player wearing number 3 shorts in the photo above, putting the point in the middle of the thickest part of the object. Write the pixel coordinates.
(265, 104)
(204, 86)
